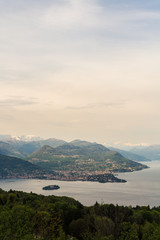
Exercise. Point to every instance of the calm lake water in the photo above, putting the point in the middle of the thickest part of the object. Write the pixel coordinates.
(142, 188)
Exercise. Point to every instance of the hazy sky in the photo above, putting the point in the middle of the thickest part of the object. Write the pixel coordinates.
(86, 69)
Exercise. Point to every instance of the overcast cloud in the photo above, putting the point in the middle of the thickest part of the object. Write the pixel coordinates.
(98, 57)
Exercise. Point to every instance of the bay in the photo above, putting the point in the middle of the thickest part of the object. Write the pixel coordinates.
(142, 188)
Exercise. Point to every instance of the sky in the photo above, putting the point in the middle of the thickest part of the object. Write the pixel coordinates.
(81, 69)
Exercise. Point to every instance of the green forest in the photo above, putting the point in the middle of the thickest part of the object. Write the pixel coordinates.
(28, 216)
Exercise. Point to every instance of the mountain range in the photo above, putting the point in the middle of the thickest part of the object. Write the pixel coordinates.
(19, 148)
(152, 152)
(77, 157)
(82, 156)
(22, 146)
(131, 155)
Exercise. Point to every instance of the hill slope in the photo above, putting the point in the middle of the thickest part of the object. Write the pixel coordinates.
(7, 149)
(12, 167)
(152, 152)
(93, 157)
(18, 148)
(130, 155)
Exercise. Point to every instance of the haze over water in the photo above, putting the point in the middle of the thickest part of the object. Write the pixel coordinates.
(142, 188)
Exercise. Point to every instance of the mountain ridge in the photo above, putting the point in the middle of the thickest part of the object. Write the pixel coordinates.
(13, 167)
(152, 151)
(93, 157)
(130, 155)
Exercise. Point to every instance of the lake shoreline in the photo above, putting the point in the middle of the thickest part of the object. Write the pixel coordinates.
(141, 188)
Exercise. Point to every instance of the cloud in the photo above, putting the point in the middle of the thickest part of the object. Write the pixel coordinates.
(14, 101)
(81, 56)
(97, 105)
(129, 144)
(143, 144)
(72, 13)
(93, 15)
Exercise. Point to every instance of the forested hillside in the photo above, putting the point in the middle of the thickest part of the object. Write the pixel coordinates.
(29, 216)
(84, 157)
(13, 167)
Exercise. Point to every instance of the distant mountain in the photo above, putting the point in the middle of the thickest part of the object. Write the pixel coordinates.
(24, 138)
(152, 152)
(130, 155)
(81, 143)
(2, 137)
(87, 157)
(22, 146)
(19, 148)
(93, 150)
(7, 149)
(53, 142)
(12, 167)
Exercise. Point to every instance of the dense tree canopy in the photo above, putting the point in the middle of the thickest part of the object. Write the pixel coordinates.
(30, 216)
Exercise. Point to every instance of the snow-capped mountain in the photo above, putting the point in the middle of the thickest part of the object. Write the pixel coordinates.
(23, 138)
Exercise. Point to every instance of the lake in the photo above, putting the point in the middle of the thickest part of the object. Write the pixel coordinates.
(142, 188)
